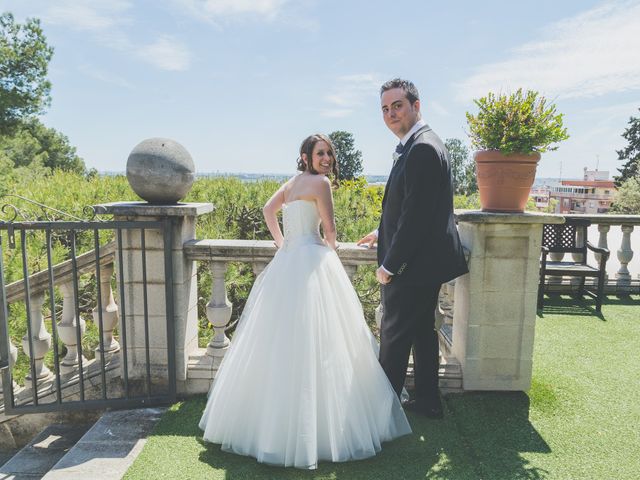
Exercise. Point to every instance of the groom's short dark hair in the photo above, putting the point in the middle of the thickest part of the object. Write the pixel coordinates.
(410, 90)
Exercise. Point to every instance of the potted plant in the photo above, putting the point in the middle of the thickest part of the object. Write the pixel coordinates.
(510, 132)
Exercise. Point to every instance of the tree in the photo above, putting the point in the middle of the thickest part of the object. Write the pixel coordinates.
(470, 179)
(462, 167)
(631, 153)
(628, 197)
(24, 60)
(349, 159)
(33, 143)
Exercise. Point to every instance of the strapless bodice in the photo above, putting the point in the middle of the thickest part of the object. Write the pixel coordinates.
(301, 222)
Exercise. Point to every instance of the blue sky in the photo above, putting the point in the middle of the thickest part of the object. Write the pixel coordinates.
(240, 83)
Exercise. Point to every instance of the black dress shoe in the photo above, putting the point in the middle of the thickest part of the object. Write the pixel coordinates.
(431, 409)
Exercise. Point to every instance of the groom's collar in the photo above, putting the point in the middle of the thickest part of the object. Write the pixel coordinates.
(416, 126)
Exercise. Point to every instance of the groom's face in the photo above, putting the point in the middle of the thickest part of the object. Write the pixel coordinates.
(398, 113)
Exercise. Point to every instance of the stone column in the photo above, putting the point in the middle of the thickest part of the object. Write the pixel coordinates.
(13, 356)
(219, 311)
(67, 331)
(40, 339)
(351, 271)
(625, 254)
(108, 313)
(183, 282)
(495, 311)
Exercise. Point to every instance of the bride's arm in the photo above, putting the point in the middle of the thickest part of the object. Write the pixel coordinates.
(324, 198)
(270, 211)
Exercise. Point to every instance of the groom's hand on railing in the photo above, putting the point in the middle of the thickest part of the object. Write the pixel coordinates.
(369, 240)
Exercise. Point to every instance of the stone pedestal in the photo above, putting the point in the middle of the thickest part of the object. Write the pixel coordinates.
(495, 310)
(183, 280)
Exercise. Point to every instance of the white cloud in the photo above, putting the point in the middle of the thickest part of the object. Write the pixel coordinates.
(594, 53)
(107, 23)
(212, 10)
(350, 92)
(166, 53)
(89, 15)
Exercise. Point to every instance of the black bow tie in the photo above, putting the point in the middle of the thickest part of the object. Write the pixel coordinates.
(399, 148)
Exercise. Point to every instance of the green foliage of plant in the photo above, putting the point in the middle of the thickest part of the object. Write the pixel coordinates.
(520, 123)
(32, 144)
(631, 153)
(349, 159)
(628, 197)
(357, 208)
(464, 202)
(24, 60)
(237, 215)
(462, 167)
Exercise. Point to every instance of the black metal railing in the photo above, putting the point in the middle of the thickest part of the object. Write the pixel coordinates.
(116, 377)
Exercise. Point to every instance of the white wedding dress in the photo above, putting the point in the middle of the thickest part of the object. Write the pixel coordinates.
(301, 381)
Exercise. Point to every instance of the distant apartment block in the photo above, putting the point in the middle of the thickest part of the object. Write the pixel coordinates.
(593, 194)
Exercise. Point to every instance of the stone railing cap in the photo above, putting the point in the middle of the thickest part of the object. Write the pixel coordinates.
(478, 216)
(607, 219)
(144, 209)
(259, 250)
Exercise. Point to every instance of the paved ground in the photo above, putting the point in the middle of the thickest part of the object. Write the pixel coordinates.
(108, 449)
(43, 452)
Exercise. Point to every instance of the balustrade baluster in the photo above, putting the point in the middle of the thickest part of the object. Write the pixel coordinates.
(258, 267)
(603, 230)
(379, 312)
(447, 300)
(351, 271)
(40, 339)
(218, 310)
(109, 313)
(625, 254)
(67, 330)
(13, 356)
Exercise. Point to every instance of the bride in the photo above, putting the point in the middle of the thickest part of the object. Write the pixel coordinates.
(301, 381)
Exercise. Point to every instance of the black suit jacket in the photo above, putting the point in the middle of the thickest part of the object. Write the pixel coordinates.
(417, 239)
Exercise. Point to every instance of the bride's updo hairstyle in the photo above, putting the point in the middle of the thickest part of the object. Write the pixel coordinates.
(307, 147)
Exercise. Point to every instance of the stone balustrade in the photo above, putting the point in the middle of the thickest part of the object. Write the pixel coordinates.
(619, 234)
(203, 363)
(69, 328)
(485, 320)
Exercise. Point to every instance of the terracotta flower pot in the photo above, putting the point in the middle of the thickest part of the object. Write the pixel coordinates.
(504, 181)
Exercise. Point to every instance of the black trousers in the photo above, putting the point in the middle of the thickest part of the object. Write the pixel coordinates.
(408, 321)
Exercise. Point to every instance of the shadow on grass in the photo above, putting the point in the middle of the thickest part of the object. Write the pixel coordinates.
(496, 429)
(556, 304)
(480, 437)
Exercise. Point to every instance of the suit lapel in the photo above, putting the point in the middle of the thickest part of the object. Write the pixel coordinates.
(405, 149)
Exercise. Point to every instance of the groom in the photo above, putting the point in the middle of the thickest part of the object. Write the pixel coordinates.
(418, 246)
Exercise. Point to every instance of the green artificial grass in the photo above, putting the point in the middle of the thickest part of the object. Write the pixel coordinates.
(579, 420)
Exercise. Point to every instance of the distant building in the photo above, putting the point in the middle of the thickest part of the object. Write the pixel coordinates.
(593, 194)
(540, 195)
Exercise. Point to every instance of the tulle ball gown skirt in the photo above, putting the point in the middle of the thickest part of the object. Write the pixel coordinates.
(301, 381)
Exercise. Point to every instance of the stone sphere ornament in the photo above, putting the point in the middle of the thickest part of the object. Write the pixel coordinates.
(160, 170)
